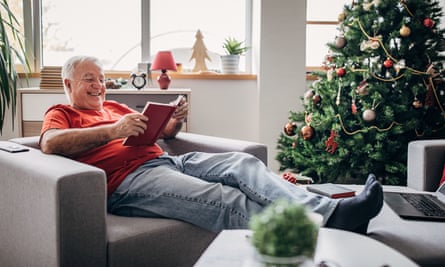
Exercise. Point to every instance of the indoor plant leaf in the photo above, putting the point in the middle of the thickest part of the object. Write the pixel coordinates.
(9, 28)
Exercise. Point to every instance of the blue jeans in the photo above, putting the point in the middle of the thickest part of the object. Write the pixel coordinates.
(214, 191)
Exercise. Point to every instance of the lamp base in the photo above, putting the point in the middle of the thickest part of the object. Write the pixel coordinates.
(164, 81)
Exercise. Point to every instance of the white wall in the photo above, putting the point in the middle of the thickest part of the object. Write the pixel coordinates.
(282, 78)
(223, 108)
(249, 109)
(10, 128)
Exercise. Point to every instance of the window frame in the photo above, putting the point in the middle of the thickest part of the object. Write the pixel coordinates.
(33, 40)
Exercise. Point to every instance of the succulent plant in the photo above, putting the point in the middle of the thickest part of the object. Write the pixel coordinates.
(234, 47)
(284, 229)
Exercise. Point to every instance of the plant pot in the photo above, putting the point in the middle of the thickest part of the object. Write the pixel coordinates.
(295, 261)
(230, 64)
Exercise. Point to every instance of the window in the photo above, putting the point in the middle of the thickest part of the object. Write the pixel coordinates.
(175, 30)
(108, 30)
(321, 28)
(124, 33)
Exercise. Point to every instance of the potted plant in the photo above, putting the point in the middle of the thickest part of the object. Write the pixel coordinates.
(9, 32)
(234, 49)
(284, 234)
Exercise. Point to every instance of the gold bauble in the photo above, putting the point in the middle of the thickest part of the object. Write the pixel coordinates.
(405, 31)
(417, 103)
(341, 16)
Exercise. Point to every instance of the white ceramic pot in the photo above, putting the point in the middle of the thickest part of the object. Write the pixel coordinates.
(296, 261)
(230, 64)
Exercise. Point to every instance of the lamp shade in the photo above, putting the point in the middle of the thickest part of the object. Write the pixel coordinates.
(163, 61)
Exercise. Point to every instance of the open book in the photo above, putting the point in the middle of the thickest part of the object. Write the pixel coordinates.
(158, 116)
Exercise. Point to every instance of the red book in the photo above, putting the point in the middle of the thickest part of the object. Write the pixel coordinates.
(331, 190)
(158, 115)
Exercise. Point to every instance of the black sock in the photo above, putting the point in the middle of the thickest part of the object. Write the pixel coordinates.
(353, 214)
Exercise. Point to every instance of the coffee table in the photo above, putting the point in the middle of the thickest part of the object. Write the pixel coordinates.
(340, 248)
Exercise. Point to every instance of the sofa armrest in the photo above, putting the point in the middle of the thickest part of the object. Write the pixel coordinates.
(187, 142)
(52, 211)
(31, 141)
(426, 160)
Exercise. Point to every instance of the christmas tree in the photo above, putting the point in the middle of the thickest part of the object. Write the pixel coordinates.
(382, 87)
(199, 53)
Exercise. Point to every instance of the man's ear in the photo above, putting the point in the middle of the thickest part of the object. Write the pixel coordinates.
(67, 84)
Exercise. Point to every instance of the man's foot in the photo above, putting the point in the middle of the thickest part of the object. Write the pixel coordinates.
(353, 214)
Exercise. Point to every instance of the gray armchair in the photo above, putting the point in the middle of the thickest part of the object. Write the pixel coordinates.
(424, 242)
(426, 159)
(53, 213)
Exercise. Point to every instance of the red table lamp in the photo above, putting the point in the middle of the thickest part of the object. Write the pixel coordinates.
(164, 61)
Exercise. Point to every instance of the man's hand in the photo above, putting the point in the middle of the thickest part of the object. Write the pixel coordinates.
(174, 125)
(181, 111)
(130, 124)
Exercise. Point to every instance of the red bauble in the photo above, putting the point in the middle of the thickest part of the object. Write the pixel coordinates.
(290, 129)
(429, 23)
(388, 63)
(307, 132)
(341, 72)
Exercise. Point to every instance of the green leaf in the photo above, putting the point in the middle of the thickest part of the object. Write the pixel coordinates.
(9, 28)
(234, 47)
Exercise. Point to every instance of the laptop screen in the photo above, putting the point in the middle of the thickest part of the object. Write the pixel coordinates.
(440, 193)
(441, 189)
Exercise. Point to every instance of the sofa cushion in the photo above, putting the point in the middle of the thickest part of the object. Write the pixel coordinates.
(160, 242)
(423, 242)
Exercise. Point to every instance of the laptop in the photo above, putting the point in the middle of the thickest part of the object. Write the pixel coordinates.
(418, 206)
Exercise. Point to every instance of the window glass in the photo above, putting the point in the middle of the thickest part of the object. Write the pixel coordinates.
(109, 30)
(325, 10)
(175, 28)
(317, 36)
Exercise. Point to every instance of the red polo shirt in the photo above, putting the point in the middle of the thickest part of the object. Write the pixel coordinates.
(115, 159)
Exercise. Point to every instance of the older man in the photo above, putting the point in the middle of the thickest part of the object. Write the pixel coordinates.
(214, 191)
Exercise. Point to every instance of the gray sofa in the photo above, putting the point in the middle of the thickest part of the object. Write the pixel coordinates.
(53, 213)
(423, 242)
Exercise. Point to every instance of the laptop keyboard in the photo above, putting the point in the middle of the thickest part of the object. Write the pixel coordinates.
(424, 204)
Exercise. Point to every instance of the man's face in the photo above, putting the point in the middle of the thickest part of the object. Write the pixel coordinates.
(87, 86)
